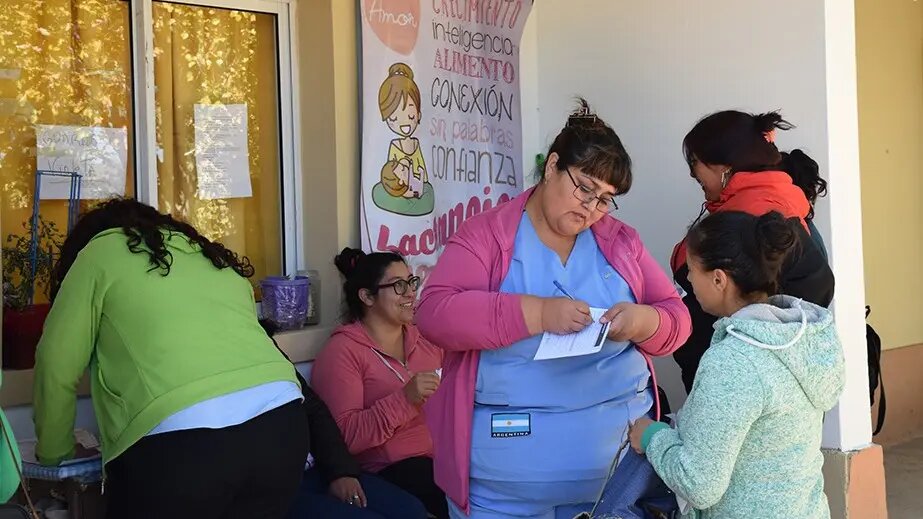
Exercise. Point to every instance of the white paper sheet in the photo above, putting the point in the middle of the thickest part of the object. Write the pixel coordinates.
(98, 154)
(585, 342)
(11, 74)
(221, 154)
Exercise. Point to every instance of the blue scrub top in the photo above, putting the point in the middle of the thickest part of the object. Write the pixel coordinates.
(558, 419)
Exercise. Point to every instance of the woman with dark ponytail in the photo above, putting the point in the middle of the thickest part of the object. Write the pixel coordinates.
(805, 174)
(747, 440)
(377, 371)
(199, 415)
(734, 158)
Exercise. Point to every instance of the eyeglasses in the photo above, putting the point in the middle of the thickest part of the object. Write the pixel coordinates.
(401, 285)
(587, 194)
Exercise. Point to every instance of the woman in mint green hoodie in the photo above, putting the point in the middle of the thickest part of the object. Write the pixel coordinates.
(747, 441)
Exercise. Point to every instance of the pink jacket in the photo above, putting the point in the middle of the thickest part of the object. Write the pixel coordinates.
(366, 398)
(462, 311)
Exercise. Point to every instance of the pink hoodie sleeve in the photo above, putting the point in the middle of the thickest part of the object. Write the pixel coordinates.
(659, 292)
(337, 378)
(457, 310)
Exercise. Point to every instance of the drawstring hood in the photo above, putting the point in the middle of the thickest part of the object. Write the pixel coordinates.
(801, 335)
(796, 304)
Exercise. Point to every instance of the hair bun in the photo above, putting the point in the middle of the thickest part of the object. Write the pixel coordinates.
(400, 69)
(583, 116)
(770, 121)
(347, 259)
(775, 237)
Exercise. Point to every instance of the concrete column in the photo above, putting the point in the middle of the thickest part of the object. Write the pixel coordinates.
(853, 467)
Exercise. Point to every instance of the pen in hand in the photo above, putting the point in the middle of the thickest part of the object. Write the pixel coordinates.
(588, 319)
(561, 288)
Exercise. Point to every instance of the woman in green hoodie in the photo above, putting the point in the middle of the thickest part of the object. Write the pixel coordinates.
(747, 441)
(199, 414)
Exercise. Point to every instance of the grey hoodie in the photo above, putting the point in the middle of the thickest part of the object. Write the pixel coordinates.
(747, 442)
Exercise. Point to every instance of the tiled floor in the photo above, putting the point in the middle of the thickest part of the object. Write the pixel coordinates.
(904, 480)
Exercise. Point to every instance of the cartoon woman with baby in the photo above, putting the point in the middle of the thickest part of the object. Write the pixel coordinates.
(404, 187)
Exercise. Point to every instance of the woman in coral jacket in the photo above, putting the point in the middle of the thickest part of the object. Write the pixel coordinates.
(734, 158)
(377, 371)
(518, 437)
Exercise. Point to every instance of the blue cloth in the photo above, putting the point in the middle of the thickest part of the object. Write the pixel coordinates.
(385, 501)
(577, 408)
(634, 490)
(90, 471)
(503, 500)
(231, 409)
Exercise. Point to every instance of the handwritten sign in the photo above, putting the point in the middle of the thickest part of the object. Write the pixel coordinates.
(441, 124)
(99, 155)
(222, 158)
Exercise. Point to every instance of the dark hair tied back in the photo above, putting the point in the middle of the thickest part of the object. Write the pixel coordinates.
(361, 271)
(751, 249)
(775, 238)
(347, 259)
(739, 140)
(805, 174)
(770, 121)
(589, 144)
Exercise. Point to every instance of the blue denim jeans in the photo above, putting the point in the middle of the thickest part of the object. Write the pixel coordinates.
(385, 501)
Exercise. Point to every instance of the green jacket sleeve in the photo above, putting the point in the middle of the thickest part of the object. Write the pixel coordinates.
(697, 458)
(62, 356)
(9, 461)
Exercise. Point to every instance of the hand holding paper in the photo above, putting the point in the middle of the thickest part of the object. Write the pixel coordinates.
(587, 341)
(631, 322)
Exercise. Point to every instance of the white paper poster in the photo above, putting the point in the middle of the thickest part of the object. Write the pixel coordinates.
(221, 155)
(441, 119)
(99, 155)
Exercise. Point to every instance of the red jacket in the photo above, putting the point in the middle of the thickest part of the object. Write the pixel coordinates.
(756, 194)
(805, 275)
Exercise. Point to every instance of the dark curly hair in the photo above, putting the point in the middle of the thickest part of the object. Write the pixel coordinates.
(144, 226)
(805, 174)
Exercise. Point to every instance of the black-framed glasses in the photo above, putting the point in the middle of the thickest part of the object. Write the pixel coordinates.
(401, 285)
(587, 194)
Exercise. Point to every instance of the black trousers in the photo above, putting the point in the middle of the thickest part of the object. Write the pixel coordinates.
(248, 471)
(415, 476)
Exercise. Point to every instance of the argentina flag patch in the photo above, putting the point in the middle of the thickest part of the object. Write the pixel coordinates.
(510, 425)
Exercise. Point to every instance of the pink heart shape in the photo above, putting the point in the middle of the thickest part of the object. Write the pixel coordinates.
(395, 22)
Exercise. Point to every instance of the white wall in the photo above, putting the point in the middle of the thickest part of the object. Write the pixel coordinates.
(652, 69)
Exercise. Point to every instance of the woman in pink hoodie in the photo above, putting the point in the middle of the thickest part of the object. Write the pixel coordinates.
(377, 371)
(519, 437)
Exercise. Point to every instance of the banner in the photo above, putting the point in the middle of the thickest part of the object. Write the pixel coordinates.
(441, 119)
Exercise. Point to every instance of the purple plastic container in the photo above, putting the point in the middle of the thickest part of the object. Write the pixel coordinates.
(285, 300)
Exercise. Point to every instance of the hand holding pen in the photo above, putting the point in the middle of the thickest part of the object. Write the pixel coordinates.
(563, 315)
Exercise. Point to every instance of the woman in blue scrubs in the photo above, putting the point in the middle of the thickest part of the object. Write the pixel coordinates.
(544, 432)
